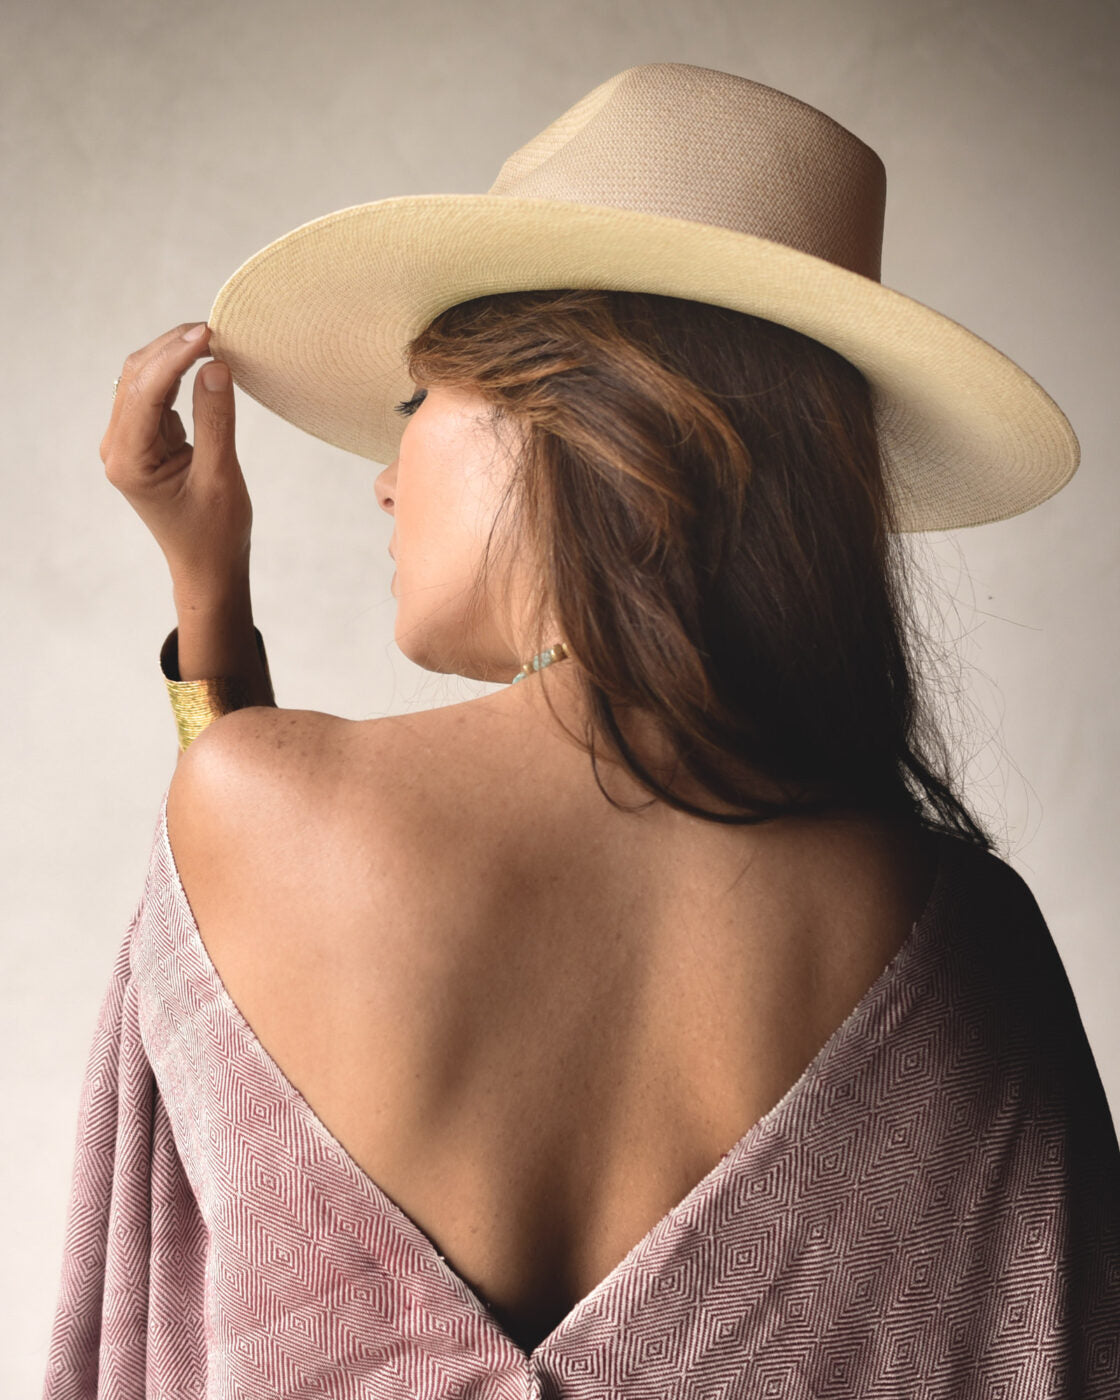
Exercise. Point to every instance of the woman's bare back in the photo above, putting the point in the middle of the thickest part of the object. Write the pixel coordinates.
(534, 1021)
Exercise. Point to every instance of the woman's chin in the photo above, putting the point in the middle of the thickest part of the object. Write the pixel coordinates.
(449, 659)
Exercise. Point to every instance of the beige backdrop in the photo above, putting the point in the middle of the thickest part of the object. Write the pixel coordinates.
(150, 148)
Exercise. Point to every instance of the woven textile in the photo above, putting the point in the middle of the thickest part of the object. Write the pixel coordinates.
(932, 1210)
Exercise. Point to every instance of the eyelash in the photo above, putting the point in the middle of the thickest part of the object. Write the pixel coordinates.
(409, 406)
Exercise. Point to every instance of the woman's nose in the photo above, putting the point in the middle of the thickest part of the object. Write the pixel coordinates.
(385, 487)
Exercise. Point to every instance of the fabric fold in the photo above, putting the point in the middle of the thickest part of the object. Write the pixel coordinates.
(933, 1208)
(134, 1237)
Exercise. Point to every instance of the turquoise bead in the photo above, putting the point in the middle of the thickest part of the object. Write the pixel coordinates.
(538, 663)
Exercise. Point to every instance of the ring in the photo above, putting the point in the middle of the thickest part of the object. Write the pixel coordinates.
(115, 383)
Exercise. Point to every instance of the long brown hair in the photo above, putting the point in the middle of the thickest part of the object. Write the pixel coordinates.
(703, 496)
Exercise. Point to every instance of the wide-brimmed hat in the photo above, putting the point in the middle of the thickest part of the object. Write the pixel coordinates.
(666, 178)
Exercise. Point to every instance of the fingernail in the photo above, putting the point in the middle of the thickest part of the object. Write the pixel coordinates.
(215, 376)
(195, 332)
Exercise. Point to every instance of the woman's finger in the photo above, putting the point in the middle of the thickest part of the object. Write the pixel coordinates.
(150, 379)
(174, 434)
(132, 366)
(173, 393)
(215, 453)
(139, 357)
(193, 499)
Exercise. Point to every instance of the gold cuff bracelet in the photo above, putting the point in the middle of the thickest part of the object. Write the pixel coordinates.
(196, 704)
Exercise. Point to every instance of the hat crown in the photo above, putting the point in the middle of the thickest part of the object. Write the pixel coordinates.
(671, 180)
(694, 143)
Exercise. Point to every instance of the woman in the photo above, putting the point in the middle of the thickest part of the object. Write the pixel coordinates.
(662, 1023)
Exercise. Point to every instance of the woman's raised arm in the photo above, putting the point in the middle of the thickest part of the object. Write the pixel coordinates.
(195, 503)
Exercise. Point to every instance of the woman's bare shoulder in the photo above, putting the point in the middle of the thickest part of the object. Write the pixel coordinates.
(252, 752)
(262, 786)
(249, 785)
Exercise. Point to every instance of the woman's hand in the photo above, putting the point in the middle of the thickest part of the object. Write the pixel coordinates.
(193, 499)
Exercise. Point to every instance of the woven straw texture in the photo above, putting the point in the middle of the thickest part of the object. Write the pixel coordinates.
(667, 178)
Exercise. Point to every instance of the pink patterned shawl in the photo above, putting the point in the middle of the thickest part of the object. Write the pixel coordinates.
(932, 1210)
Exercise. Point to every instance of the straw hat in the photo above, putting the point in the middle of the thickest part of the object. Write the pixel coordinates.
(666, 178)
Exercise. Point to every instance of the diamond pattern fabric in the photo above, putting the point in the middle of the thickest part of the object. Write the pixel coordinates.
(932, 1210)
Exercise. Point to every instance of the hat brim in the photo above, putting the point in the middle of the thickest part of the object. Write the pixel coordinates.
(314, 326)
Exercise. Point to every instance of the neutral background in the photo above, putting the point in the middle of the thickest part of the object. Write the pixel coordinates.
(149, 149)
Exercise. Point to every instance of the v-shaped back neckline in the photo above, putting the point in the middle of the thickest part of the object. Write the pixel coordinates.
(737, 1152)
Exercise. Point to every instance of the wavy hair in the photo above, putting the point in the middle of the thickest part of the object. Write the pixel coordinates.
(702, 496)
